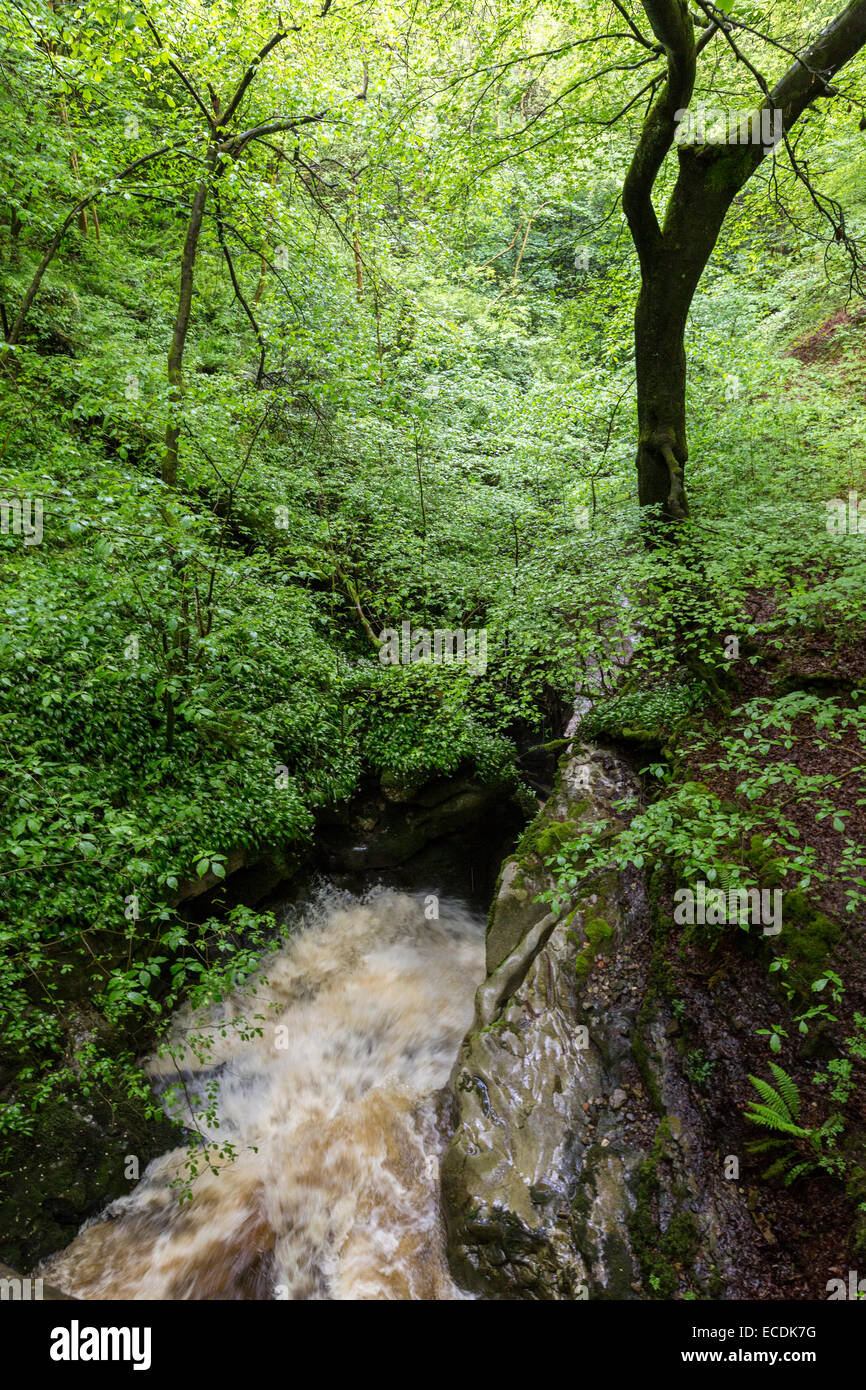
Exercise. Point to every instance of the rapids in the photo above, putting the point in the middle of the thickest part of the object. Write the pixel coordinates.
(324, 1082)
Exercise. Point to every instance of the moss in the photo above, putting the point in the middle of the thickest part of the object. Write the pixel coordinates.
(526, 844)
(641, 1051)
(620, 1269)
(765, 863)
(583, 964)
(665, 1255)
(517, 884)
(526, 802)
(556, 745)
(545, 838)
(581, 1204)
(596, 930)
(660, 985)
(496, 1026)
(808, 938)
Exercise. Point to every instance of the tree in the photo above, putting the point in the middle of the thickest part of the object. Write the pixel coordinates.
(225, 144)
(673, 253)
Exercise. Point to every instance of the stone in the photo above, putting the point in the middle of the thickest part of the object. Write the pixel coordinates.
(541, 1164)
(523, 1090)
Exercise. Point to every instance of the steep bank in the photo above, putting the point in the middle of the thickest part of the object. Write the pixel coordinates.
(591, 1155)
(549, 1183)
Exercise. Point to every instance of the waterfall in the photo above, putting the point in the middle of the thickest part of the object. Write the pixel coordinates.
(321, 1086)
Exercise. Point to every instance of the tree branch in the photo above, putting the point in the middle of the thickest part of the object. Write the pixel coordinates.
(674, 28)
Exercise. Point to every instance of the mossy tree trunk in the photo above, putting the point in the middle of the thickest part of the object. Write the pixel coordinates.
(181, 325)
(673, 254)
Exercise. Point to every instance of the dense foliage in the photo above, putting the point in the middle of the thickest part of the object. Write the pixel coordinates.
(405, 394)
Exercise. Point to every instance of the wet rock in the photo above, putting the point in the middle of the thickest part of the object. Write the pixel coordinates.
(532, 1076)
(515, 914)
(74, 1161)
(413, 837)
(573, 1124)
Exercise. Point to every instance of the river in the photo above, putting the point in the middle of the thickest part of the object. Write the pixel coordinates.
(321, 1087)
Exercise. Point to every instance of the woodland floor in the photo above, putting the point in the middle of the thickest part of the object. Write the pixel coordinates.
(803, 1230)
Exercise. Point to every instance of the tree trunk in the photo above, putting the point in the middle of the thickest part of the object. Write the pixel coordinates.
(673, 256)
(181, 327)
(15, 225)
(672, 265)
(356, 245)
(671, 271)
(660, 361)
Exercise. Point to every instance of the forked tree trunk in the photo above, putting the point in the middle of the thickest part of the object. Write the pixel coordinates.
(673, 255)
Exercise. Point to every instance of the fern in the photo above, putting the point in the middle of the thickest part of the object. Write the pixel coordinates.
(807, 1165)
(788, 1090)
(771, 1097)
(780, 1109)
(769, 1117)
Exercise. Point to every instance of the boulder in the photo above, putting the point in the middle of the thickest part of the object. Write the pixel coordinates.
(569, 1173)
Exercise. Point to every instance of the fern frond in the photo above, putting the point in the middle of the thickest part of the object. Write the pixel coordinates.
(769, 1117)
(763, 1146)
(779, 1168)
(771, 1097)
(798, 1171)
(832, 1126)
(788, 1090)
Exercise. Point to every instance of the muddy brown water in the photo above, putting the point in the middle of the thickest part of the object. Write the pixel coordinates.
(324, 1083)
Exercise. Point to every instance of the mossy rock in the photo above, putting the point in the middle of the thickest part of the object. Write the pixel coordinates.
(765, 862)
(646, 716)
(665, 1251)
(597, 931)
(809, 938)
(544, 837)
(70, 1167)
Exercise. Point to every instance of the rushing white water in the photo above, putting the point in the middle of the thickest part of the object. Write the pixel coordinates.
(332, 1112)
